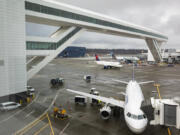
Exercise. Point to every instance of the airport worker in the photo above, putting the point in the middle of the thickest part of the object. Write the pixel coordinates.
(56, 109)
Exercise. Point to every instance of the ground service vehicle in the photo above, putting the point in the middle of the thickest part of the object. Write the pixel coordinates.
(9, 106)
(57, 82)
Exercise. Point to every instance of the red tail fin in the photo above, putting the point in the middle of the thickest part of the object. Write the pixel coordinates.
(97, 58)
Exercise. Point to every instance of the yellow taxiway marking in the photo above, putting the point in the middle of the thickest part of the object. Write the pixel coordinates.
(41, 129)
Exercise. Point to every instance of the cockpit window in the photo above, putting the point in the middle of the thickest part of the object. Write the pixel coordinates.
(136, 117)
(129, 114)
(140, 117)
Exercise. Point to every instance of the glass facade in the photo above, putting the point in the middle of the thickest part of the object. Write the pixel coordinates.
(50, 46)
(57, 12)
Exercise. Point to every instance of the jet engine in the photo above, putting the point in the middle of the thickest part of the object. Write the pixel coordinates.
(105, 112)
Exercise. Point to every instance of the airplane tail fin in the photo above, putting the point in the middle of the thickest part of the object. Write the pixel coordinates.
(133, 73)
(113, 56)
(97, 58)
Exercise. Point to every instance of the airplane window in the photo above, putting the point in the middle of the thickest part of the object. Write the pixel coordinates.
(129, 114)
(137, 117)
(140, 117)
(134, 116)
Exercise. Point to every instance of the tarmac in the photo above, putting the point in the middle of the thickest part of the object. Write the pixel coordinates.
(85, 120)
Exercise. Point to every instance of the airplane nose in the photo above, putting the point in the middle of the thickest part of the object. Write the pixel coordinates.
(137, 127)
(137, 130)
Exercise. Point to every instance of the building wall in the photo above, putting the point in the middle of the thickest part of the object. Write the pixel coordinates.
(12, 47)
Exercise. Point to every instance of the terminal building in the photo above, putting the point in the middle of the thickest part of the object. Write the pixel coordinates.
(72, 21)
(73, 51)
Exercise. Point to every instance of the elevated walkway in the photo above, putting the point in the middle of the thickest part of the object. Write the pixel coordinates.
(65, 35)
(59, 14)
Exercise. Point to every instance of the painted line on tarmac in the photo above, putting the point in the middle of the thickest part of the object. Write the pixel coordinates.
(57, 94)
(167, 74)
(29, 113)
(44, 99)
(19, 110)
(62, 132)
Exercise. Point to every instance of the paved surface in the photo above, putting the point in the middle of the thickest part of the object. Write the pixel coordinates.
(85, 120)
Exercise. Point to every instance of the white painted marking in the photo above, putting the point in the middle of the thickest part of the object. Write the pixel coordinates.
(64, 128)
(29, 113)
(57, 93)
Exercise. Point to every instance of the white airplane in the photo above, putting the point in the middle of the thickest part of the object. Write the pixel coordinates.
(135, 118)
(107, 64)
(129, 59)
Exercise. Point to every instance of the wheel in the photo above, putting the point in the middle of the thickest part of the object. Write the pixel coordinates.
(53, 82)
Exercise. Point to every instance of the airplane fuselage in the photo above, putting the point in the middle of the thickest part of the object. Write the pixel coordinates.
(109, 63)
(135, 118)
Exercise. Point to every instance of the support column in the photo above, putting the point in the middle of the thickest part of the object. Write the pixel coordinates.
(154, 48)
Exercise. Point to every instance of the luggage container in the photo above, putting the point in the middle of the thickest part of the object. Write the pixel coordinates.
(87, 78)
(80, 100)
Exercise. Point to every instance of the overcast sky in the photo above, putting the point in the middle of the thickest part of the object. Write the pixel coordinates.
(160, 15)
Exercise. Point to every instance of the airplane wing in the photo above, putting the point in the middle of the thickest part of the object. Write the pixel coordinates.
(111, 101)
(146, 82)
(120, 81)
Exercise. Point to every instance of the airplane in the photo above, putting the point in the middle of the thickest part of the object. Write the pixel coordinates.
(108, 64)
(127, 59)
(135, 118)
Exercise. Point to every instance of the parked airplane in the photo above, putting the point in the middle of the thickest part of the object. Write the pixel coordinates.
(135, 118)
(108, 64)
(127, 59)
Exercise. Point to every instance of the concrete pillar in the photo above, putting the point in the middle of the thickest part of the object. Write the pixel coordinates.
(154, 48)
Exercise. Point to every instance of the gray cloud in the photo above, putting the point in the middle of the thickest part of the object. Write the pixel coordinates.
(160, 15)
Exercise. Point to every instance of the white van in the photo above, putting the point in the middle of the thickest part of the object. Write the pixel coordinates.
(30, 90)
(9, 106)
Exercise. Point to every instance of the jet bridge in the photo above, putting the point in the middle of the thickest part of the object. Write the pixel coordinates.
(166, 112)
